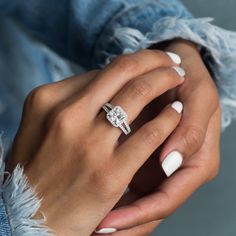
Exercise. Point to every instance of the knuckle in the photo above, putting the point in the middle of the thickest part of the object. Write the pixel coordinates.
(61, 121)
(152, 135)
(140, 88)
(39, 97)
(193, 138)
(214, 170)
(126, 63)
(213, 95)
(166, 203)
(64, 118)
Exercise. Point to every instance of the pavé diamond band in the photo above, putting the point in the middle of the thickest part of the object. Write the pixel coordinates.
(117, 117)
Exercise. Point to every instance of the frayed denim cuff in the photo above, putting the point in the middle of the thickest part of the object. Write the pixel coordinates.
(219, 52)
(18, 204)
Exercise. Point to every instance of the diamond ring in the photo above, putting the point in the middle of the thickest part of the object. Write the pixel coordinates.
(117, 117)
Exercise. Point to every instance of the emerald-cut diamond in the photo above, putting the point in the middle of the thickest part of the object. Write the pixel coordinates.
(116, 116)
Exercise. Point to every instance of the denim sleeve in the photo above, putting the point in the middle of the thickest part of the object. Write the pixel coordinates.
(4, 222)
(18, 204)
(80, 29)
(90, 32)
(143, 25)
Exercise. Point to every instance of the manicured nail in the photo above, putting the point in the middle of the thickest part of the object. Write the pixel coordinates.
(178, 106)
(174, 57)
(179, 70)
(172, 162)
(105, 230)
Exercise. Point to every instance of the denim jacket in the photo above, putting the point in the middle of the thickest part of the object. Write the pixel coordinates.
(89, 33)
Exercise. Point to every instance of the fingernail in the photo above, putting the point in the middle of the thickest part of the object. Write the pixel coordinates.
(105, 230)
(172, 162)
(178, 106)
(174, 57)
(179, 70)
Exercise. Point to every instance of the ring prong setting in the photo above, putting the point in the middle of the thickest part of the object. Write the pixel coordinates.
(116, 116)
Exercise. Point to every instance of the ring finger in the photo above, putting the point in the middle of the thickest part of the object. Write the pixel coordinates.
(136, 94)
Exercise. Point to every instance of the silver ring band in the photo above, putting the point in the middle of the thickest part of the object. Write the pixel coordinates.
(117, 117)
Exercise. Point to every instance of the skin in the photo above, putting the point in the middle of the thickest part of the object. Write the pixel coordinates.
(196, 137)
(152, 196)
(70, 152)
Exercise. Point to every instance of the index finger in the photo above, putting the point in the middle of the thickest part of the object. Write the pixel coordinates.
(134, 152)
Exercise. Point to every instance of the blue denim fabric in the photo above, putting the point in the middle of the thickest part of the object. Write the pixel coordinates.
(5, 229)
(88, 33)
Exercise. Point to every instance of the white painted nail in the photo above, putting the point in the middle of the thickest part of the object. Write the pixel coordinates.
(178, 106)
(174, 57)
(179, 70)
(172, 162)
(105, 230)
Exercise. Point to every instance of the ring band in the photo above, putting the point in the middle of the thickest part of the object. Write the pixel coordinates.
(117, 117)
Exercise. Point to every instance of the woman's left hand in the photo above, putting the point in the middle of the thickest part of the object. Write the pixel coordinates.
(152, 197)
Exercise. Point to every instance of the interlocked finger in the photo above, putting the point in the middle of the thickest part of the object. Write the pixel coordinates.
(134, 96)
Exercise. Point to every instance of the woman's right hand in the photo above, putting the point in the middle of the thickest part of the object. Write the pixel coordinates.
(71, 153)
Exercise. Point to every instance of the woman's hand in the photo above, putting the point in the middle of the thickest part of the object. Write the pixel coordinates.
(70, 151)
(196, 138)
